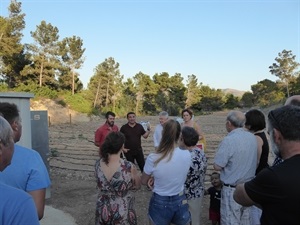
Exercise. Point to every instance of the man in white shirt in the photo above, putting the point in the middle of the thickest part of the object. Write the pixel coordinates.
(163, 117)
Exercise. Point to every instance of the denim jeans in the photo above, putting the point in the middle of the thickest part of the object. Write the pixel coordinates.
(164, 210)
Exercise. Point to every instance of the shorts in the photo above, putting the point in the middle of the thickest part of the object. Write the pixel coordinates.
(214, 215)
(164, 210)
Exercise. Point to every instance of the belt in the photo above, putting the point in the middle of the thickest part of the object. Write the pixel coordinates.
(180, 194)
(229, 185)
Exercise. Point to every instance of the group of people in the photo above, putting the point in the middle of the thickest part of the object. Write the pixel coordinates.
(246, 187)
(174, 171)
(23, 174)
(253, 192)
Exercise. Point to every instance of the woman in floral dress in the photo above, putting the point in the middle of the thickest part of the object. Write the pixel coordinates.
(116, 180)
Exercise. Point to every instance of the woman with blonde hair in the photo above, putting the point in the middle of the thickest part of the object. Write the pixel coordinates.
(168, 166)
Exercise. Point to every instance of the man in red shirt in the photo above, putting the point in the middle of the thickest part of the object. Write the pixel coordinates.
(107, 127)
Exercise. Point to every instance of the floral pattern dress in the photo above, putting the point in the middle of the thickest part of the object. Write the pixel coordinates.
(115, 203)
(194, 184)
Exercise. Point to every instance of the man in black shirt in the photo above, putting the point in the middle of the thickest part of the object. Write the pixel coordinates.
(133, 132)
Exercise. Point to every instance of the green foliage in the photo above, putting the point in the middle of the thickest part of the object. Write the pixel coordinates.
(78, 103)
(214, 103)
(4, 87)
(71, 50)
(43, 54)
(38, 91)
(11, 49)
(106, 84)
(285, 68)
(231, 101)
(61, 102)
(247, 100)
(266, 92)
(192, 92)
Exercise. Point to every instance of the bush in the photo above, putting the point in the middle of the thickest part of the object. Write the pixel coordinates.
(78, 103)
(38, 91)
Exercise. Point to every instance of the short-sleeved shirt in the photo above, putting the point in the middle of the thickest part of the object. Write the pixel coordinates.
(16, 207)
(27, 171)
(215, 199)
(276, 189)
(157, 134)
(133, 137)
(103, 131)
(169, 174)
(194, 184)
(237, 155)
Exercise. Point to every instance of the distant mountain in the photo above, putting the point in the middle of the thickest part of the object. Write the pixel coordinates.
(235, 92)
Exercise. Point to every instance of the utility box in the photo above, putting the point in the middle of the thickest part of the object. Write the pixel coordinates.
(40, 134)
(40, 137)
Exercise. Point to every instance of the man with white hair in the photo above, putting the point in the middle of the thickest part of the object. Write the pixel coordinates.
(163, 117)
(236, 159)
(16, 206)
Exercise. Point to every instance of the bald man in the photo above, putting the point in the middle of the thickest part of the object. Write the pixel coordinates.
(293, 100)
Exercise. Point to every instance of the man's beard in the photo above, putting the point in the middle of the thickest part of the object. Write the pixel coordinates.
(111, 124)
(274, 146)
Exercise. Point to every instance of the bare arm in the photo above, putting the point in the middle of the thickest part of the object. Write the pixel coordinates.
(136, 178)
(217, 167)
(39, 200)
(145, 178)
(145, 135)
(259, 147)
(199, 130)
(240, 196)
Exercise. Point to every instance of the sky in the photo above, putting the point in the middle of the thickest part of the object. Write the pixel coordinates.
(225, 43)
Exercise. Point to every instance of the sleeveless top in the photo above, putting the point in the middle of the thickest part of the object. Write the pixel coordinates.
(263, 162)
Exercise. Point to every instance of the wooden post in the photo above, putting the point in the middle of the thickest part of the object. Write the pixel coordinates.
(70, 118)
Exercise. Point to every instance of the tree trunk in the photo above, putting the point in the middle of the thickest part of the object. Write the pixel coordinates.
(97, 93)
(106, 99)
(41, 73)
(73, 81)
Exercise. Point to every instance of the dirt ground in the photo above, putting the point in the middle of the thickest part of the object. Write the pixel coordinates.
(72, 158)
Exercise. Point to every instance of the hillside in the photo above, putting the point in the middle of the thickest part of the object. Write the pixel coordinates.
(58, 113)
(235, 92)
